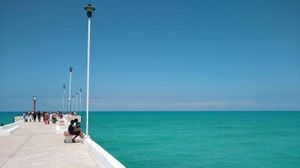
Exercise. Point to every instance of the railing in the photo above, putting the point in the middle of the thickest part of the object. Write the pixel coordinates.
(102, 157)
(7, 129)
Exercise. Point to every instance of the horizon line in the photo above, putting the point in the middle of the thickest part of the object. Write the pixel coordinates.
(166, 111)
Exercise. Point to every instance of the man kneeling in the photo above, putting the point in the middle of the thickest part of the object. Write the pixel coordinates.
(74, 129)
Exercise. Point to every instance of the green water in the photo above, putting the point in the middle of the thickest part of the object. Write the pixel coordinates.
(8, 117)
(199, 139)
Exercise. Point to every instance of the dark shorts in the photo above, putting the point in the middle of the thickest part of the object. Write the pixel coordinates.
(75, 131)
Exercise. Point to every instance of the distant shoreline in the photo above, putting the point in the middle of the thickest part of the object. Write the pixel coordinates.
(147, 111)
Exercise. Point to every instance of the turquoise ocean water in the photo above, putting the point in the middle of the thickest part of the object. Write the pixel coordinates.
(198, 139)
(8, 117)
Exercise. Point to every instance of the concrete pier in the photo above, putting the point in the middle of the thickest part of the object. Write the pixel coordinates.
(35, 144)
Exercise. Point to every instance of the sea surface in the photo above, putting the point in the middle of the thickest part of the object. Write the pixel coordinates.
(197, 139)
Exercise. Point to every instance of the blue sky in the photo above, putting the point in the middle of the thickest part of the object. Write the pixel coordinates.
(153, 55)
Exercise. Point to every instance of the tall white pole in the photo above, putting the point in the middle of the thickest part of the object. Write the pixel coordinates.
(76, 104)
(63, 101)
(70, 88)
(89, 8)
(88, 77)
(72, 109)
(80, 100)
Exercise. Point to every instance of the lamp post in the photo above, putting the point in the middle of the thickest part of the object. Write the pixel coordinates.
(72, 109)
(34, 103)
(70, 88)
(89, 10)
(76, 104)
(80, 92)
(63, 100)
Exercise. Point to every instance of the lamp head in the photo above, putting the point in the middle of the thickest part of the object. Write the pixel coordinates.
(89, 10)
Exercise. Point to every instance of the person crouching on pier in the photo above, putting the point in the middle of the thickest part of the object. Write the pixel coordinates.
(46, 118)
(74, 129)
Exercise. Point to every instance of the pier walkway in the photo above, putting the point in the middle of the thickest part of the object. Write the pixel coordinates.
(36, 145)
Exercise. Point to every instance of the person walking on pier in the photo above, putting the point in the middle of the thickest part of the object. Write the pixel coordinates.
(34, 116)
(46, 118)
(29, 116)
(39, 116)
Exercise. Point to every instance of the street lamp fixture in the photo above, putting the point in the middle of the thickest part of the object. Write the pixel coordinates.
(89, 10)
(34, 103)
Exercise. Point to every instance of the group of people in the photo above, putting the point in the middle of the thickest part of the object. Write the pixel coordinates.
(73, 129)
(46, 116)
(29, 116)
